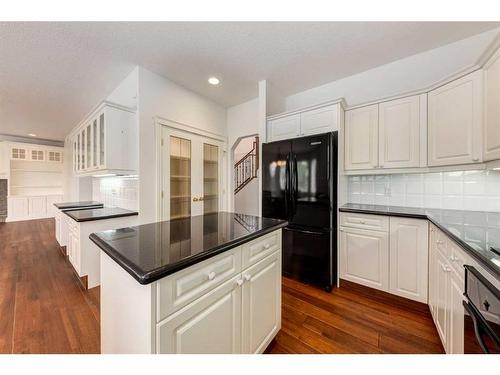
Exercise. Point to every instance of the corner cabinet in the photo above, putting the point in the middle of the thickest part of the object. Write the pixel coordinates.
(455, 121)
(491, 137)
(302, 123)
(106, 142)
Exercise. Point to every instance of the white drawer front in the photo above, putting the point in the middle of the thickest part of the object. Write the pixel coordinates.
(457, 258)
(363, 221)
(260, 248)
(183, 287)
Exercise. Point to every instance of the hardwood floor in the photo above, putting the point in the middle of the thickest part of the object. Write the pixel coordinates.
(43, 308)
(352, 319)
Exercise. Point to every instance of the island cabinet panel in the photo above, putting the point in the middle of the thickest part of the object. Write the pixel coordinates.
(210, 325)
(259, 249)
(261, 304)
(183, 287)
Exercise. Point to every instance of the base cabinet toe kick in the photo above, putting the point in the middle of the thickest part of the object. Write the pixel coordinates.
(228, 303)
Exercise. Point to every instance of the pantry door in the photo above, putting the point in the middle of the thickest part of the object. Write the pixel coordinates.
(191, 174)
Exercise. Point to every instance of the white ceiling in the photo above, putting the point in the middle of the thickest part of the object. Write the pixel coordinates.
(52, 74)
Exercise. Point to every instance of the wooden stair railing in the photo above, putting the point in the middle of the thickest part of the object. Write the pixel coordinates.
(245, 169)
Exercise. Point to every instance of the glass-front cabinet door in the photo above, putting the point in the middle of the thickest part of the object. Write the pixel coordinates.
(95, 145)
(191, 174)
(102, 144)
(88, 149)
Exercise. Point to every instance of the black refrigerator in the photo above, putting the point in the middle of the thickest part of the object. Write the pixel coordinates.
(299, 184)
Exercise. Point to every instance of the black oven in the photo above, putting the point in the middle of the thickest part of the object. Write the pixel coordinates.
(481, 314)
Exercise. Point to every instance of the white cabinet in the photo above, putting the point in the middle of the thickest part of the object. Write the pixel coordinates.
(37, 207)
(321, 120)
(284, 128)
(106, 142)
(19, 153)
(491, 139)
(261, 304)
(211, 325)
(401, 125)
(17, 208)
(318, 120)
(446, 288)
(364, 257)
(455, 121)
(385, 253)
(408, 259)
(361, 138)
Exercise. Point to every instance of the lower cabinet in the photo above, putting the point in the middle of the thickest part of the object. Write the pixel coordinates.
(408, 258)
(446, 288)
(391, 256)
(32, 207)
(365, 257)
(192, 330)
(261, 304)
(240, 316)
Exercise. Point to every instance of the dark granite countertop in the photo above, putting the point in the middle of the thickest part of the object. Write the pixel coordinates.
(475, 231)
(77, 205)
(152, 251)
(102, 213)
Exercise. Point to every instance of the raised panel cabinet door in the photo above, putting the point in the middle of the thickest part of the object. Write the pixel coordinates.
(492, 108)
(455, 121)
(365, 257)
(399, 133)
(319, 120)
(442, 299)
(261, 304)
(209, 325)
(361, 138)
(37, 207)
(432, 270)
(456, 315)
(408, 266)
(284, 128)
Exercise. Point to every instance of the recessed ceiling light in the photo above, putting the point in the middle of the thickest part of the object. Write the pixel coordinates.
(213, 81)
(32, 134)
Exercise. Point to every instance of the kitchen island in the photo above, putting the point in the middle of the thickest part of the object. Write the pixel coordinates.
(204, 284)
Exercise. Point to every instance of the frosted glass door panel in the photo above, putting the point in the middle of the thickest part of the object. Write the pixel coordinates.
(180, 177)
(210, 178)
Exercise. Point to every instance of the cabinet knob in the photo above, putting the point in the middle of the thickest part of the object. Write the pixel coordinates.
(266, 246)
(475, 159)
(239, 282)
(195, 199)
(247, 277)
(211, 276)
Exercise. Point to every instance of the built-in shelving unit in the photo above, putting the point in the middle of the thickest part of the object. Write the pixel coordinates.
(180, 177)
(210, 178)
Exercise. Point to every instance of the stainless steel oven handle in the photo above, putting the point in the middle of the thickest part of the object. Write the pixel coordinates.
(477, 329)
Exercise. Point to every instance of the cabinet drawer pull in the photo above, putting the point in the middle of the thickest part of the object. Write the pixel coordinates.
(247, 277)
(266, 246)
(445, 268)
(239, 282)
(211, 276)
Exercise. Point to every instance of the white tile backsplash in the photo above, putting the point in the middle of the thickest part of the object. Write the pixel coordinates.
(116, 192)
(462, 190)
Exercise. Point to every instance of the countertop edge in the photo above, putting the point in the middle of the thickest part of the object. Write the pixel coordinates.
(112, 216)
(486, 263)
(161, 272)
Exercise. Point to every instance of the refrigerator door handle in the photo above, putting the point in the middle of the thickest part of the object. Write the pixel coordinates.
(295, 184)
(287, 185)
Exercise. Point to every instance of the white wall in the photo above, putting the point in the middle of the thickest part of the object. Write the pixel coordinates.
(462, 190)
(163, 98)
(242, 121)
(412, 73)
(245, 200)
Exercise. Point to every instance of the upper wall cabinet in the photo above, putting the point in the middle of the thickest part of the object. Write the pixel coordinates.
(107, 142)
(361, 138)
(386, 135)
(300, 124)
(455, 121)
(401, 123)
(492, 108)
